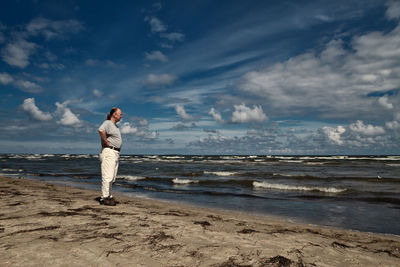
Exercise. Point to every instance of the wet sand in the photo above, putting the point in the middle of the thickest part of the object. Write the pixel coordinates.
(42, 224)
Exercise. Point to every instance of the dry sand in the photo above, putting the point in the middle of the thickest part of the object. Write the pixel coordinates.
(42, 224)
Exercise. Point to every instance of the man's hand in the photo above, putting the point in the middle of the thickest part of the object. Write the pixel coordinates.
(103, 137)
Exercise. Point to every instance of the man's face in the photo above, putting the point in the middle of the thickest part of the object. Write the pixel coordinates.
(117, 115)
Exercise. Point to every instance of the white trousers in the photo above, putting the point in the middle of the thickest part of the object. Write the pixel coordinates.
(109, 167)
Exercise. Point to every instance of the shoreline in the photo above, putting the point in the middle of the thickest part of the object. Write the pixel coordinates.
(46, 224)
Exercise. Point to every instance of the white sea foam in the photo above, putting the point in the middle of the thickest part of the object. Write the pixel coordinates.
(8, 174)
(12, 170)
(83, 156)
(297, 188)
(130, 177)
(174, 157)
(221, 173)
(48, 155)
(291, 161)
(184, 181)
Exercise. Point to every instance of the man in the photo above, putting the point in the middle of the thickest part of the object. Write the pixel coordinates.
(111, 142)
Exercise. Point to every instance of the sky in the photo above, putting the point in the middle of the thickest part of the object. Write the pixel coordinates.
(201, 77)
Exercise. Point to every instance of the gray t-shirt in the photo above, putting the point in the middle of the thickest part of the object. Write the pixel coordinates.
(112, 132)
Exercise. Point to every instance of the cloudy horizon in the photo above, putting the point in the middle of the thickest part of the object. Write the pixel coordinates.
(202, 77)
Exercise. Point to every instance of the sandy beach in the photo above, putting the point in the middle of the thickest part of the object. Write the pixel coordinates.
(43, 224)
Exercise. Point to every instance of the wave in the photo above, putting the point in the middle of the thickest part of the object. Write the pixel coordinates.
(12, 170)
(291, 175)
(224, 173)
(297, 188)
(130, 177)
(184, 181)
(291, 161)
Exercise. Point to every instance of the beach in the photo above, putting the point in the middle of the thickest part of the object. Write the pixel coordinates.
(43, 224)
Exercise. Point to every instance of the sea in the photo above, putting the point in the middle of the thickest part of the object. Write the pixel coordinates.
(351, 192)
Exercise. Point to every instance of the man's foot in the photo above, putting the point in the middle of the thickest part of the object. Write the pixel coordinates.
(108, 201)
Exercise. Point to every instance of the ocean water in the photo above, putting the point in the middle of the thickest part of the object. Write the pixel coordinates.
(351, 192)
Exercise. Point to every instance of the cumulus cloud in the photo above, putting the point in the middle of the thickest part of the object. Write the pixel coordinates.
(34, 112)
(393, 125)
(6, 78)
(393, 9)
(23, 85)
(244, 114)
(67, 117)
(334, 83)
(334, 134)
(156, 56)
(18, 50)
(17, 53)
(159, 80)
(28, 86)
(184, 127)
(361, 128)
(384, 102)
(138, 130)
(216, 115)
(156, 24)
(180, 110)
(127, 128)
(325, 140)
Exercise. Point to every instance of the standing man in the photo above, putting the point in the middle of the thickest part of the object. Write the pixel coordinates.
(111, 142)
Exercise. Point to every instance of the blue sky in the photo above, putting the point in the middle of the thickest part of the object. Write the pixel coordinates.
(201, 77)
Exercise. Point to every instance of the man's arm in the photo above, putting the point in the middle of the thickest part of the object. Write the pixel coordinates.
(103, 137)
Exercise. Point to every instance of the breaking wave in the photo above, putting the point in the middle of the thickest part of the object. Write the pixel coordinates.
(297, 188)
(184, 181)
(130, 177)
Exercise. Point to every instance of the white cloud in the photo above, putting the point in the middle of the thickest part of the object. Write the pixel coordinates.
(34, 112)
(126, 128)
(143, 132)
(17, 53)
(154, 80)
(53, 29)
(180, 110)
(393, 9)
(334, 134)
(243, 114)
(174, 36)
(97, 93)
(67, 117)
(335, 83)
(384, 102)
(361, 128)
(23, 85)
(6, 78)
(393, 125)
(156, 56)
(324, 18)
(28, 86)
(216, 115)
(156, 24)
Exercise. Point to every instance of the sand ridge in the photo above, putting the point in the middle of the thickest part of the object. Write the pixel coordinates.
(42, 224)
